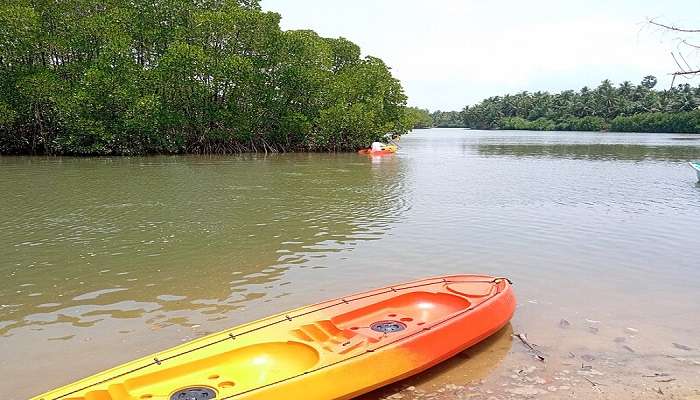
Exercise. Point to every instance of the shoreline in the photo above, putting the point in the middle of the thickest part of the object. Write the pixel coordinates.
(502, 368)
(310, 152)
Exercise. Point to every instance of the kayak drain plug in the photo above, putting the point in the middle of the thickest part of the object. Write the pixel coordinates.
(388, 326)
(194, 393)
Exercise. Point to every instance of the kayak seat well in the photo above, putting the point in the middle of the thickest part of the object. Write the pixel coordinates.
(244, 368)
(471, 289)
(412, 309)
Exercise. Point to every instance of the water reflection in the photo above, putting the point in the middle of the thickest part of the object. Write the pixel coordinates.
(84, 240)
(628, 152)
(116, 258)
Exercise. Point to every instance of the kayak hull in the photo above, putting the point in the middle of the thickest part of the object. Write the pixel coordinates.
(337, 349)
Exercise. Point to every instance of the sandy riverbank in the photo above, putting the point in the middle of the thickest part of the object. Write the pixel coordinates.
(583, 359)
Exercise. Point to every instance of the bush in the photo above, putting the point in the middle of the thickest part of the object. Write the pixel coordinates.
(682, 122)
(197, 76)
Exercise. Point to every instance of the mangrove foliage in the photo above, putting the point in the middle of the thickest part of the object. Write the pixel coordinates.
(176, 76)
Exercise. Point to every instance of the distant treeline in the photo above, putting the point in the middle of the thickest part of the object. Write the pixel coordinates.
(172, 76)
(422, 118)
(623, 108)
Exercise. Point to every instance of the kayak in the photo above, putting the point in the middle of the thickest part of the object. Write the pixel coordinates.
(390, 149)
(369, 152)
(696, 167)
(336, 349)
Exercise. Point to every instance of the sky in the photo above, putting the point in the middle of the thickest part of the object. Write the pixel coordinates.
(451, 53)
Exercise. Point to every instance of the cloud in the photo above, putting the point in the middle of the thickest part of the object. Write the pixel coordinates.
(450, 53)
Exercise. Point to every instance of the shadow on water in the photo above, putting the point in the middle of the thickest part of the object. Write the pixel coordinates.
(84, 240)
(627, 152)
(471, 365)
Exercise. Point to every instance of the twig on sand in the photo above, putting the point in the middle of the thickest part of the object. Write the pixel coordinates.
(593, 383)
(626, 347)
(656, 375)
(682, 346)
(666, 380)
(536, 353)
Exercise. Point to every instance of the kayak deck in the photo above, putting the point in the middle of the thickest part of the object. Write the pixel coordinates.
(335, 349)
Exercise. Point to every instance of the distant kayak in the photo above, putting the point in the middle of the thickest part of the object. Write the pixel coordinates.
(391, 149)
(696, 167)
(337, 349)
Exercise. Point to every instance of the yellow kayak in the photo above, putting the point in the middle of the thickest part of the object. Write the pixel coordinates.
(337, 349)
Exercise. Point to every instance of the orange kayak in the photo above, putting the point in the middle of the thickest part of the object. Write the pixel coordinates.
(376, 153)
(337, 349)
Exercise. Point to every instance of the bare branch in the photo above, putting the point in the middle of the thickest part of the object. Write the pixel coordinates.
(685, 42)
(686, 73)
(685, 61)
(673, 28)
(681, 73)
(680, 67)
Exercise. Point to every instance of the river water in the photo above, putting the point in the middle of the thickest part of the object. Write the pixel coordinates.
(106, 259)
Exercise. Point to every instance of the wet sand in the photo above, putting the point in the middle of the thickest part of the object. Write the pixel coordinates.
(583, 359)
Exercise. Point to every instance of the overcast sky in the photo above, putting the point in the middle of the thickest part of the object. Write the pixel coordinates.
(450, 53)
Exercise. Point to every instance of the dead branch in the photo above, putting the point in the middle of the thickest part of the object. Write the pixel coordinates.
(687, 43)
(680, 73)
(672, 28)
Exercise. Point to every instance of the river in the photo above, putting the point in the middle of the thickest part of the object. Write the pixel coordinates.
(107, 259)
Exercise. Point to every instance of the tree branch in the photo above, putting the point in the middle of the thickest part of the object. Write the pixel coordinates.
(685, 61)
(685, 42)
(673, 28)
(680, 73)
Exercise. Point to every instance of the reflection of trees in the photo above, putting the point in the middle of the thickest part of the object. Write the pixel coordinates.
(194, 233)
(630, 152)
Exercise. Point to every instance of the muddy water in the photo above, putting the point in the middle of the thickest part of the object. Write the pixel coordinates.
(107, 259)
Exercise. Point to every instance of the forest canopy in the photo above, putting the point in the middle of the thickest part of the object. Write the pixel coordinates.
(447, 119)
(182, 76)
(625, 107)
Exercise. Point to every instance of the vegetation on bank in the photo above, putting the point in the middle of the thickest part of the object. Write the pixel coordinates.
(137, 76)
(423, 118)
(447, 119)
(419, 118)
(625, 108)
